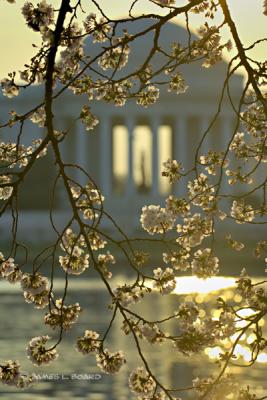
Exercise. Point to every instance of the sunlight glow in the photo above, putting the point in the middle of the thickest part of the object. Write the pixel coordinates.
(192, 284)
(262, 358)
(16, 56)
(251, 338)
(240, 352)
(213, 352)
(142, 156)
(120, 151)
(236, 335)
(243, 351)
(246, 312)
(165, 152)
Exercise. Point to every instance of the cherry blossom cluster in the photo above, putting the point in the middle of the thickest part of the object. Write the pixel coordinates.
(141, 383)
(200, 192)
(35, 289)
(212, 160)
(166, 2)
(204, 265)
(87, 200)
(40, 17)
(108, 362)
(89, 120)
(126, 295)
(76, 261)
(10, 374)
(12, 154)
(62, 315)
(117, 56)
(177, 84)
(185, 226)
(38, 352)
(242, 212)
(155, 219)
(5, 189)
(172, 170)
(99, 28)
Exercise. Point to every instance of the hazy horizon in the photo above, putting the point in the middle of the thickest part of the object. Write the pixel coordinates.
(17, 39)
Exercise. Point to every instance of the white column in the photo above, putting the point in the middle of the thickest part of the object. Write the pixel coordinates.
(105, 155)
(209, 140)
(181, 150)
(82, 153)
(227, 131)
(130, 124)
(155, 124)
(65, 145)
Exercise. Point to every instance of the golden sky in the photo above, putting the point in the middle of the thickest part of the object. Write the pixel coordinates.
(16, 39)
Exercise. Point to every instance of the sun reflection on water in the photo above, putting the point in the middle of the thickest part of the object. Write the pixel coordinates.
(192, 284)
(199, 288)
(241, 352)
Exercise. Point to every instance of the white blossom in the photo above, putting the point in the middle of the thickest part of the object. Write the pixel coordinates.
(194, 230)
(178, 206)
(76, 262)
(141, 383)
(236, 245)
(149, 96)
(40, 300)
(9, 88)
(151, 333)
(178, 259)
(88, 118)
(99, 29)
(177, 84)
(110, 363)
(187, 313)
(155, 219)
(242, 212)
(38, 353)
(88, 343)
(34, 283)
(204, 265)
(126, 294)
(200, 192)
(166, 2)
(9, 270)
(10, 372)
(164, 280)
(40, 17)
(62, 315)
(172, 170)
(117, 56)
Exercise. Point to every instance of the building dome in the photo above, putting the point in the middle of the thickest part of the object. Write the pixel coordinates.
(141, 46)
(210, 80)
(124, 154)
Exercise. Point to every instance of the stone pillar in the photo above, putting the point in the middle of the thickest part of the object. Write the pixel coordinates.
(155, 124)
(105, 155)
(68, 155)
(209, 140)
(130, 124)
(82, 153)
(226, 134)
(181, 150)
